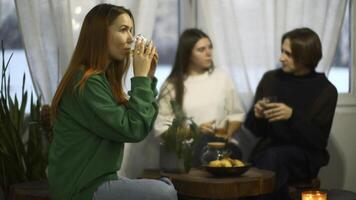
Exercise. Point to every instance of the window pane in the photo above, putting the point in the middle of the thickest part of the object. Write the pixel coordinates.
(11, 36)
(165, 36)
(340, 70)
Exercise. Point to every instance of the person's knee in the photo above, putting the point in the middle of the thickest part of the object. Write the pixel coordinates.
(169, 193)
(268, 159)
(165, 190)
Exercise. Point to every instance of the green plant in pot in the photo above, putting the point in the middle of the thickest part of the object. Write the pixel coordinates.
(178, 142)
(24, 142)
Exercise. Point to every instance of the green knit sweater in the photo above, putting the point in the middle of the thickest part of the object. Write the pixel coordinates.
(90, 131)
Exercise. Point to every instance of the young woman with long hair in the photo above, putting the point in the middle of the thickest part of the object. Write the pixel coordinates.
(93, 116)
(205, 94)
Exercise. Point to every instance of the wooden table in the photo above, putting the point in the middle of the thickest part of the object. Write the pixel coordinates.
(199, 183)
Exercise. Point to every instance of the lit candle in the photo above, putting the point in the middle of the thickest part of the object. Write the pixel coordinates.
(314, 195)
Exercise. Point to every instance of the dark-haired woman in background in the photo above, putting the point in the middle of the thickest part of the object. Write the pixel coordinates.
(206, 94)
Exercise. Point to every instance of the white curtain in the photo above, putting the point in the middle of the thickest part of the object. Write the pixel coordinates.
(47, 34)
(247, 34)
(1, 16)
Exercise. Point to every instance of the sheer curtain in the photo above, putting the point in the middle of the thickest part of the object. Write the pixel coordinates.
(247, 34)
(247, 38)
(47, 34)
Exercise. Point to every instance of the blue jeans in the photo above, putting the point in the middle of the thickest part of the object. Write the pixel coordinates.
(140, 189)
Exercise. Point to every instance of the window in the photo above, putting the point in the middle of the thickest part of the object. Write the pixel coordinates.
(348, 93)
(165, 36)
(340, 70)
(12, 39)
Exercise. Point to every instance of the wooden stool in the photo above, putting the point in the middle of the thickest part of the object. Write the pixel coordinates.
(297, 187)
(36, 190)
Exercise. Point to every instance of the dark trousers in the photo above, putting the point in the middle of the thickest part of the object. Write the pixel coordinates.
(288, 162)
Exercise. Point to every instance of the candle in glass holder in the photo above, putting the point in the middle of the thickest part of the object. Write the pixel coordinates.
(314, 195)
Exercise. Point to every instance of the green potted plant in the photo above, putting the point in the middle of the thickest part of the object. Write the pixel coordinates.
(24, 141)
(177, 145)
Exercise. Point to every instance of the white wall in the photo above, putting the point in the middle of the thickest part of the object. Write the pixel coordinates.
(340, 172)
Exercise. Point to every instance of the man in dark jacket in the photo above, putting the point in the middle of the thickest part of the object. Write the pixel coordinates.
(293, 112)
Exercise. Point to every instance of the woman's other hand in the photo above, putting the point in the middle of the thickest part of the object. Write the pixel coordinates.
(142, 58)
(207, 128)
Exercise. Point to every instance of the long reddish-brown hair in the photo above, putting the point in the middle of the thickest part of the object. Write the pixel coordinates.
(91, 54)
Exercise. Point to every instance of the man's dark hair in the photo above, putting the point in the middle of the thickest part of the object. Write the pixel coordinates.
(306, 47)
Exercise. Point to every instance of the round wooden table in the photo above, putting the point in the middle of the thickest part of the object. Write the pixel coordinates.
(201, 184)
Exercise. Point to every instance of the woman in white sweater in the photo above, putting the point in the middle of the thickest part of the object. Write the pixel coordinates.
(206, 94)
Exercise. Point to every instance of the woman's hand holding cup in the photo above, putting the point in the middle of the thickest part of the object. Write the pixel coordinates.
(143, 54)
(207, 128)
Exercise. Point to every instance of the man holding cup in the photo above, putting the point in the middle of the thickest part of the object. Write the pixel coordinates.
(292, 113)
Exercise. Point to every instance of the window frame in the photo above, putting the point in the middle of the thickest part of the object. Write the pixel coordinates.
(349, 99)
